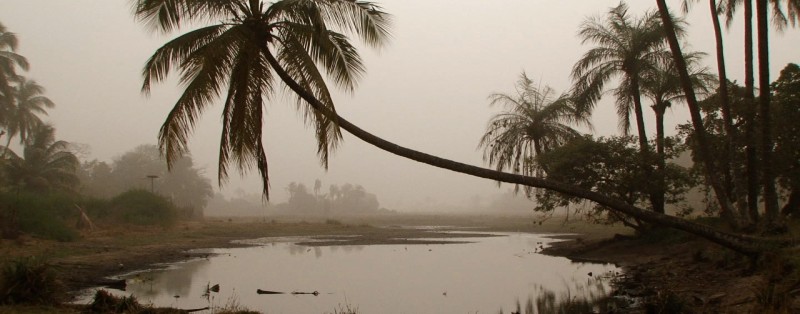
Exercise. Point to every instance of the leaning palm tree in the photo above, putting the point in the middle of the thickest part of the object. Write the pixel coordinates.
(9, 61)
(45, 165)
(23, 115)
(208, 62)
(534, 122)
(230, 59)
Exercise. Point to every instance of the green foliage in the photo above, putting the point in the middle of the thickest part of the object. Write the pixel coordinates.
(29, 281)
(142, 207)
(611, 166)
(45, 215)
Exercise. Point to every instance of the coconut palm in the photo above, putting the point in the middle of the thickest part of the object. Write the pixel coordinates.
(9, 61)
(533, 122)
(626, 47)
(230, 58)
(289, 49)
(23, 114)
(46, 164)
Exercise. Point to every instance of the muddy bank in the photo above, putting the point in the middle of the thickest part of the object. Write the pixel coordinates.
(684, 274)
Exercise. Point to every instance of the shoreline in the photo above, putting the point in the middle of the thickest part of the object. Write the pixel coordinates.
(703, 276)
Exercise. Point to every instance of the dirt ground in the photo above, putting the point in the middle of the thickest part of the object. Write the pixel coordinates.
(685, 274)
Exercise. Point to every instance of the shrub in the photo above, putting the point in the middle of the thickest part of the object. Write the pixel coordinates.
(29, 281)
(105, 302)
(44, 215)
(141, 207)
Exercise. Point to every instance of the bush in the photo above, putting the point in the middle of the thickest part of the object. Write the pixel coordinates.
(105, 302)
(44, 215)
(141, 207)
(29, 281)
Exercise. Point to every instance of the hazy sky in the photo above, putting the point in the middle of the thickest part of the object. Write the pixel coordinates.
(427, 90)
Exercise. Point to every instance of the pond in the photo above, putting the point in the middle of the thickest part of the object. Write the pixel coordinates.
(472, 275)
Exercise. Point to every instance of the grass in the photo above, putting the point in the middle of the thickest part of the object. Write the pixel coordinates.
(29, 281)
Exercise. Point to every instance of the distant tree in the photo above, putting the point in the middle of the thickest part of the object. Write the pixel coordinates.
(534, 121)
(185, 184)
(9, 62)
(46, 164)
(22, 114)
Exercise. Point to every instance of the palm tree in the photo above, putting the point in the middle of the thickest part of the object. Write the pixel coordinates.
(533, 122)
(300, 34)
(23, 115)
(46, 164)
(661, 85)
(294, 65)
(780, 20)
(625, 48)
(9, 61)
(701, 141)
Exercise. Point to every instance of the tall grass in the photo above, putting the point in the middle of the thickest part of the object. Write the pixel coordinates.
(29, 281)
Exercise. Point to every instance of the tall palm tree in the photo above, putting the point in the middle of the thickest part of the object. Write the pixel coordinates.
(46, 164)
(9, 61)
(661, 85)
(23, 114)
(167, 15)
(532, 123)
(701, 141)
(231, 58)
(781, 19)
(626, 47)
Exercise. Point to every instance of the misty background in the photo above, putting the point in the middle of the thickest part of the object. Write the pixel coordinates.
(426, 90)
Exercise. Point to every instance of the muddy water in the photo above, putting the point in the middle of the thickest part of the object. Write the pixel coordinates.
(483, 276)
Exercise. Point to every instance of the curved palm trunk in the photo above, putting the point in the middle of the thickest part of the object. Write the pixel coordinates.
(768, 177)
(739, 243)
(750, 115)
(730, 148)
(701, 142)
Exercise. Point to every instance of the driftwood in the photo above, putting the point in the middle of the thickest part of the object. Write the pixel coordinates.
(196, 310)
(259, 291)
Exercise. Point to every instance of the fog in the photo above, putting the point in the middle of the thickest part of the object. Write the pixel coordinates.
(426, 90)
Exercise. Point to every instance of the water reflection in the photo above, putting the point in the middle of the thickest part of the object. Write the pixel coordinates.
(481, 276)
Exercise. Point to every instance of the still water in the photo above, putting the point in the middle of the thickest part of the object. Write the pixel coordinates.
(483, 276)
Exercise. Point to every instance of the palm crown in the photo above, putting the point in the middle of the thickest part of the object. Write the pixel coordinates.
(533, 123)
(234, 56)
